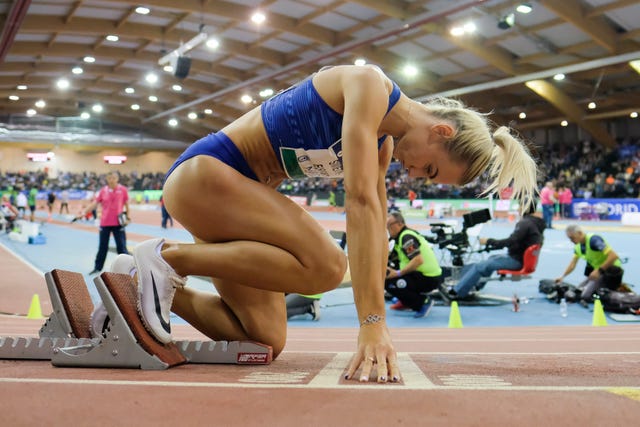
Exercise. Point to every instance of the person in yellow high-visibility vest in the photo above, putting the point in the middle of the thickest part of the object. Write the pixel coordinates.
(303, 304)
(417, 273)
(603, 267)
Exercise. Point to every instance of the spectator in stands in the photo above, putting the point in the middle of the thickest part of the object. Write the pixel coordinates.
(603, 269)
(417, 272)
(114, 200)
(343, 121)
(548, 201)
(303, 304)
(528, 231)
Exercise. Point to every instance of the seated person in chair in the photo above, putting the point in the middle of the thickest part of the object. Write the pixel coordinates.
(9, 213)
(417, 273)
(528, 231)
(603, 267)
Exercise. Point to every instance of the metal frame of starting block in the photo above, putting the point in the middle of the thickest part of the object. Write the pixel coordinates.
(120, 346)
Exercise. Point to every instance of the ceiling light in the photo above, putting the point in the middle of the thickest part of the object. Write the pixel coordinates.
(168, 68)
(176, 87)
(153, 98)
(212, 43)
(89, 59)
(507, 21)
(265, 93)
(135, 107)
(564, 123)
(151, 78)
(40, 103)
(559, 77)
(173, 122)
(84, 115)
(410, 70)
(456, 31)
(192, 115)
(129, 90)
(142, 10)
(246, 99)
(208, 111)
(112, 38)
(14, 97)
(591, 105)
(21, 87)
(360, 62)
(97, 108)
(258, 18)
(77, 70)
(522, 115)
(62, 83)
(31, 112)
(634, 114)
(469, 27)
(524, 8)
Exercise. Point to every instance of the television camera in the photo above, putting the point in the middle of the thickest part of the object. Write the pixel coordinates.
(457, 243)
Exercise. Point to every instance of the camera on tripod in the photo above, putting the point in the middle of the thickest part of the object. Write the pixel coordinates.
(457, 243)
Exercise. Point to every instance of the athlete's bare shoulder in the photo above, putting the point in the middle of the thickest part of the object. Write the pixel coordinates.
(330, 82)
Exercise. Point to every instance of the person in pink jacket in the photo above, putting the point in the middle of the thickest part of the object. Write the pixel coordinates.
(565, 197)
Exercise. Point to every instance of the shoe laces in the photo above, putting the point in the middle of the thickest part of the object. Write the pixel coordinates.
(177, 280)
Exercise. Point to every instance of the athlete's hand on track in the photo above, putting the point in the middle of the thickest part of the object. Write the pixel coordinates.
(375, 349)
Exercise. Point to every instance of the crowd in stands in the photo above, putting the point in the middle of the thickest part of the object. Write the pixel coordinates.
(43, 181)
(587, 168)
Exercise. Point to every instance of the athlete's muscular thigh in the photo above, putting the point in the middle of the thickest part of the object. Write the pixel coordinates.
(215, 203)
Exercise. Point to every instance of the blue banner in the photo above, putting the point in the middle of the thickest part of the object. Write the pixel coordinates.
(604, 208)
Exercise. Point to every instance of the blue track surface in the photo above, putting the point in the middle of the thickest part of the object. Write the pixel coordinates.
(74, 249)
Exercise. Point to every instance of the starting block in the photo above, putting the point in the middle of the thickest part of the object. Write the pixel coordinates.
(65, 337)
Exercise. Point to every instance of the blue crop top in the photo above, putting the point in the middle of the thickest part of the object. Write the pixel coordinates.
(305, 133)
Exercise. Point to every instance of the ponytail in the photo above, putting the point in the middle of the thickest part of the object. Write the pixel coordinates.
(513, 165)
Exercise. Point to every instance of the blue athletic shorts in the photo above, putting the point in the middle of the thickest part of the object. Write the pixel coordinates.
(216, 145)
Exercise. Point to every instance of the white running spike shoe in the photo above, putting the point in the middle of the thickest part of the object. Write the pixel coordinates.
(157, 283)
(123, 264)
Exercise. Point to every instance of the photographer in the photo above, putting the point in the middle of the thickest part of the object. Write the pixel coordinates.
(418, 272)
(529, 231)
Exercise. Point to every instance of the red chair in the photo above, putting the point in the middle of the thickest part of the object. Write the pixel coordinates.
(529, 264)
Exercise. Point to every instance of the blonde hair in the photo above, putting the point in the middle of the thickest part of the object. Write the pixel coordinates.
(506, 158)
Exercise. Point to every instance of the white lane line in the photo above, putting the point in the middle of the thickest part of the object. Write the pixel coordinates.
(22, 259)
(412, 375)
(463, 380)
(506, 353)
(262, 377)
(329, 376)
(345, 386)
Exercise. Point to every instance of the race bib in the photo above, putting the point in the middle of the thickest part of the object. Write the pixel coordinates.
(319, 163)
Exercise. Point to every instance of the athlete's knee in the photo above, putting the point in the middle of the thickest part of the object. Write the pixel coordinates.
(328, 273)
(266, 328)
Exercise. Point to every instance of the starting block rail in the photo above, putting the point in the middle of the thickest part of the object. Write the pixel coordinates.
(65, 337)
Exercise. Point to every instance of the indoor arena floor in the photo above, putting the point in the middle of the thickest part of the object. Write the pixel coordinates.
(528, 368)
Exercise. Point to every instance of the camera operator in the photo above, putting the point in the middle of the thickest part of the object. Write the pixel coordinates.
(418, 271)
(528, 231)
